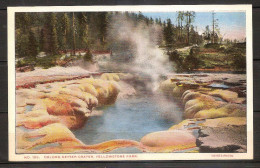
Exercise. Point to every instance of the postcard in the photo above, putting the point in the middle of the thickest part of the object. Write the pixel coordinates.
(103, 83)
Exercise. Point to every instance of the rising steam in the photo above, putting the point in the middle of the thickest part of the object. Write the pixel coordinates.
(142, 40)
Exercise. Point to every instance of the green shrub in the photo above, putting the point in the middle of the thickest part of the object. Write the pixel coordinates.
(20, 63)
(212, 45)
(239, 61)
(186, 61)
(88, 56)
(48, 61)
(192, 61)
(26, 61)
(236, 55)
(177, 59)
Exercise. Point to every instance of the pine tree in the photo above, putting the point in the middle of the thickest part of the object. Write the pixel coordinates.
(22, 34)
(65, 31)
(32, 45)
(22, 42)
(168, 33)
(151, 21)
(83, 30)
(190, 15)
(156, 21)
(25, 22)
(215, 30)
(74, 34)
(93, 29)
(102, 24)
(180, 19)
(42, 40)
(206, 33)
(53, 35)
(140, 17)
(160, 22)
(49, 37)
(51, 32)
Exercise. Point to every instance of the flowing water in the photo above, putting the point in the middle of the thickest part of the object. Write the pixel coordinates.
(130, 118)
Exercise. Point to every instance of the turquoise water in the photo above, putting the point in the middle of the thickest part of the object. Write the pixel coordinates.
(130, 119)
(28, 108)
(219, 85)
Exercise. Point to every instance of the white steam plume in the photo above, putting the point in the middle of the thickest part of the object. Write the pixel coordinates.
(149, 59)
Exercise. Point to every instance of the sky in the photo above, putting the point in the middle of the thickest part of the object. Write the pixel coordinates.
(232, 24)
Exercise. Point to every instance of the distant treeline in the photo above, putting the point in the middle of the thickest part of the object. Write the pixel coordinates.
(53, 32)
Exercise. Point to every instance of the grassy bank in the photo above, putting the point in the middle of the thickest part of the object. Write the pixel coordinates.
(46, 62)
(219, 57)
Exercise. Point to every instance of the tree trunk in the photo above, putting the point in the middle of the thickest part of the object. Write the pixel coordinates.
(188, 40)
(74, 40)
(181, 31)
(213, 28)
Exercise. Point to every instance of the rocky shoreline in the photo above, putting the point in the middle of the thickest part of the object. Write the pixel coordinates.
(219, 102)
(214, 113)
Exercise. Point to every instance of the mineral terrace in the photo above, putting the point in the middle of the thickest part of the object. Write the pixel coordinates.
(49, 107)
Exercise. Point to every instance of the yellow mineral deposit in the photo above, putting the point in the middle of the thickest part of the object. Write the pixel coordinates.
(223, 122)
(200, 102)
(167, 86)
(189, 96)
(51, 133)
(86, 87)
(181, 125)
(59, 107)
(228, 96)
(64, 105)
(169, 141)
(110, 77)
(228, 110)
(37, 122)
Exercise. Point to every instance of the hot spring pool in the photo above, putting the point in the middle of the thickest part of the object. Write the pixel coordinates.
(130, 119)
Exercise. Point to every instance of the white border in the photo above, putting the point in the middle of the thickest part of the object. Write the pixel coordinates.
(143, 156)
